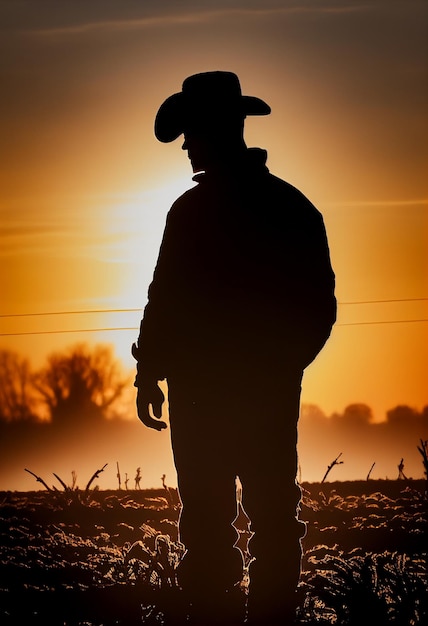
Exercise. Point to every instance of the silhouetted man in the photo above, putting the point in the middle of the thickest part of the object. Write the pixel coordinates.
(242, 300)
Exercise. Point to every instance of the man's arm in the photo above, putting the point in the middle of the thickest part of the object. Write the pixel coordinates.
(149, 395)
(154, 341)
(309, 303)
(318, 313)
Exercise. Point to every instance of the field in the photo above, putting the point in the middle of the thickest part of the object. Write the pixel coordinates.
(97, 558)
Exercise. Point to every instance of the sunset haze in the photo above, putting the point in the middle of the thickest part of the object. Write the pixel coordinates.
(85, 186)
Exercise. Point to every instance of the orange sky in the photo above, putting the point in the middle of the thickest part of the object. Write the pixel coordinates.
(85, 186)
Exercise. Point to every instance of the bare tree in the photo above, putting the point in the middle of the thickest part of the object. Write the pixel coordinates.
(138, 478)
(82, 383)
(423, 449)
(332, 464)
(370, 470)
(17, 394)
(401, 474)
(118, 476)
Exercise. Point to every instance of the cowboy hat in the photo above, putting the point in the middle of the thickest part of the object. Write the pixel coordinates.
(205, 96)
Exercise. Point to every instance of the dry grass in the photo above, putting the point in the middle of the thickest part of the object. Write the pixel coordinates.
(110, 557)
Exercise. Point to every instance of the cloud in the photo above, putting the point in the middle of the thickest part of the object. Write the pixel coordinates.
(100, 16)
(32, 230)
(381, 203)
(110, 26)
(185, 18)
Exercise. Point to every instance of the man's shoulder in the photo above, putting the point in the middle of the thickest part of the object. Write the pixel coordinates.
(187, 198)
(285, 188)
(269, 188)
(185, 208)
(287, 195)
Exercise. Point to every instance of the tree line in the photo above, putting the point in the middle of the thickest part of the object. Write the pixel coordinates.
(81, 382)
(71, 400)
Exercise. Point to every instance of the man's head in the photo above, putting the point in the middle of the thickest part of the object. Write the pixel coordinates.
(210, 112)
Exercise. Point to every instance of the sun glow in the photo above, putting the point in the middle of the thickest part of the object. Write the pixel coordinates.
(132, 229)
(86, 187)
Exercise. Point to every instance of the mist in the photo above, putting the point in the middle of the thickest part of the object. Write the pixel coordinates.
(85, 446)
(362, 442)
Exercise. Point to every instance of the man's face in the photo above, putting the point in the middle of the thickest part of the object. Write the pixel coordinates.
(208, 141)
(203, 149)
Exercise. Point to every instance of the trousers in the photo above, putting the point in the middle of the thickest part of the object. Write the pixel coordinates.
(226, 425)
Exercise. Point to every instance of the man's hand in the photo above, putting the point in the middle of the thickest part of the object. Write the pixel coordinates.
(150, 395)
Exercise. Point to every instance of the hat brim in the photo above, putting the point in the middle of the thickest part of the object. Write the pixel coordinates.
(169, 122)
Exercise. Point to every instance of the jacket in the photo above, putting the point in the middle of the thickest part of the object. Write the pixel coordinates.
(243, 277)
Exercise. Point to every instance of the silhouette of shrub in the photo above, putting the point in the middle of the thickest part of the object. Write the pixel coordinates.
(387, 588)
(112, 557)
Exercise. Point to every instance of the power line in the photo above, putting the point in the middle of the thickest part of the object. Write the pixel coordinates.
(380, 322)
(74, 330)
(134, 310)
(384, 301)
(114, 328)
(89, 311)
(70, 312)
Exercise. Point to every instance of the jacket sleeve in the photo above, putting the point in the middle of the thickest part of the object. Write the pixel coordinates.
(153, 344)
(316, 305)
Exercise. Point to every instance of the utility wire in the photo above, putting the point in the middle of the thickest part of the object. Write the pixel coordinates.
(95, 330)
(70, 312)
(380, 322)
(134, 310)
(74, 330)
(383, 301)
(80, 312)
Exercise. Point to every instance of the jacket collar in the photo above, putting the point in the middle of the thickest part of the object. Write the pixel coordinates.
(252, 163)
